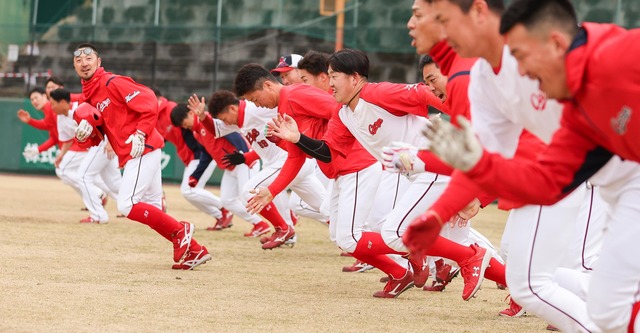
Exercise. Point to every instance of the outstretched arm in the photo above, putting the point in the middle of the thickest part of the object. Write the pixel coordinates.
(286, 128)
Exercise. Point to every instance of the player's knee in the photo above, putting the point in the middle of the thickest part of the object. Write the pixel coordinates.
(345, 242)
(189, 195)
(125, 205)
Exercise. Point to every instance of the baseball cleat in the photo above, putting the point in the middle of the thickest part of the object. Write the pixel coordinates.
(88, 219)
(193, 259)
(420, 270)
(278, 238)
(472, 270)
(395, 287)
(182, 241)
(357, 267)
(259, 228)
(385, 279)
(552, 328)
(435, 286)
(513, 311)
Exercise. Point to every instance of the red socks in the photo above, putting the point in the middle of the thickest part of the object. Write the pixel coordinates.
(449, 249)
(373, 250)
(270, 212)
(155, 218)
(496, 272)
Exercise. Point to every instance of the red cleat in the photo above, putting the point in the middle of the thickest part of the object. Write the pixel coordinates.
(358, 267)
(422, 233)
(513, 311)
(182, 241)
(394, 287)
(259, 229)
(420, 270)
(472, 270)
(193, 260)
(278, 238)
(444, 274)
(88, 219)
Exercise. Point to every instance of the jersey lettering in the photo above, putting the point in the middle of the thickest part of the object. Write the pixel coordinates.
(263, 143)
(102, 105)
(619, 123)
(373, 128)
(252, 136)
(538, 101)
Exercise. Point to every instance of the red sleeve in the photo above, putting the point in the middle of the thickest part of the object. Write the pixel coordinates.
(338, 137)
(138, 98)
(209, 126)
(433, 163)
(569, 160)
(293, 164)
(307, 100)
(402, 99)
(51, 141)
(40, 124)
(251, 157)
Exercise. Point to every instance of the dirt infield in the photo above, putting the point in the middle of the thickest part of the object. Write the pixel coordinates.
(60, 276)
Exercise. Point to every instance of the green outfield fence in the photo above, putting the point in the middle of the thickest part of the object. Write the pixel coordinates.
(15, 136)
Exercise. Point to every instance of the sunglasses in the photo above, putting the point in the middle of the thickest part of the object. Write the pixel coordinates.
(86, 51)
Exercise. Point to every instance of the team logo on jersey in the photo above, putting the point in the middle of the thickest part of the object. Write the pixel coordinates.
(373, 128)
(103, 105)
(539, 100)
(413, 86)
(203, 132)
(619, 123)
(132, 96)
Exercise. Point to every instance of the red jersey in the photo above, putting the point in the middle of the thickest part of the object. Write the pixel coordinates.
(172, 133)
(596, 123)
(216, 147)
(312, 108)
(126, 107)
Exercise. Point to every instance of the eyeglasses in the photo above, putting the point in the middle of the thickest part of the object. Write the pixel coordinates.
(86, 51)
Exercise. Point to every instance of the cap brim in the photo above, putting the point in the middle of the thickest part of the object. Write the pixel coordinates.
(281, 69)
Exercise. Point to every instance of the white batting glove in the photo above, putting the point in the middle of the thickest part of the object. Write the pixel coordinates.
(137, 144)
(84, 130)
(30, 152)
(457, 147)
(402, 157)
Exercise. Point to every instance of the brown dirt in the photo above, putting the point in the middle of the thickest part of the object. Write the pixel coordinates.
(61, 276)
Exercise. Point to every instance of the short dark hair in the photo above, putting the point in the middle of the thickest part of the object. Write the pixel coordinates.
(55, 79)
(532, 13)
(61, 94)
(89, 45)
(179, 114)
(251, 77)
(426, 60)
(314, 62)
(157, 92)
(496, 6)
(39, 90)
(220, 101)
(350, 61)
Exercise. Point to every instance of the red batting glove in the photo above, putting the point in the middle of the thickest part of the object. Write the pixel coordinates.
(422, 233)
(192, 181)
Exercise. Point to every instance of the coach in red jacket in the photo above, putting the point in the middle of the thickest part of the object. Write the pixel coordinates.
(127, 113)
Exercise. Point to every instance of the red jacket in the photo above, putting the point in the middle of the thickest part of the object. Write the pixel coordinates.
(312, 108)
(172, 133)
(126, 107)
(603, 77)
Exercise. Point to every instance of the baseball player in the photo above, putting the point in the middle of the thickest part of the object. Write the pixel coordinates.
(199, 166)
(234, 177)
(287, 69)
(375, 115)
(233, 115)
(578, 71)
(127, 112)
(84, 167)
(502, 104)
(39, 100)
(356, 175)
